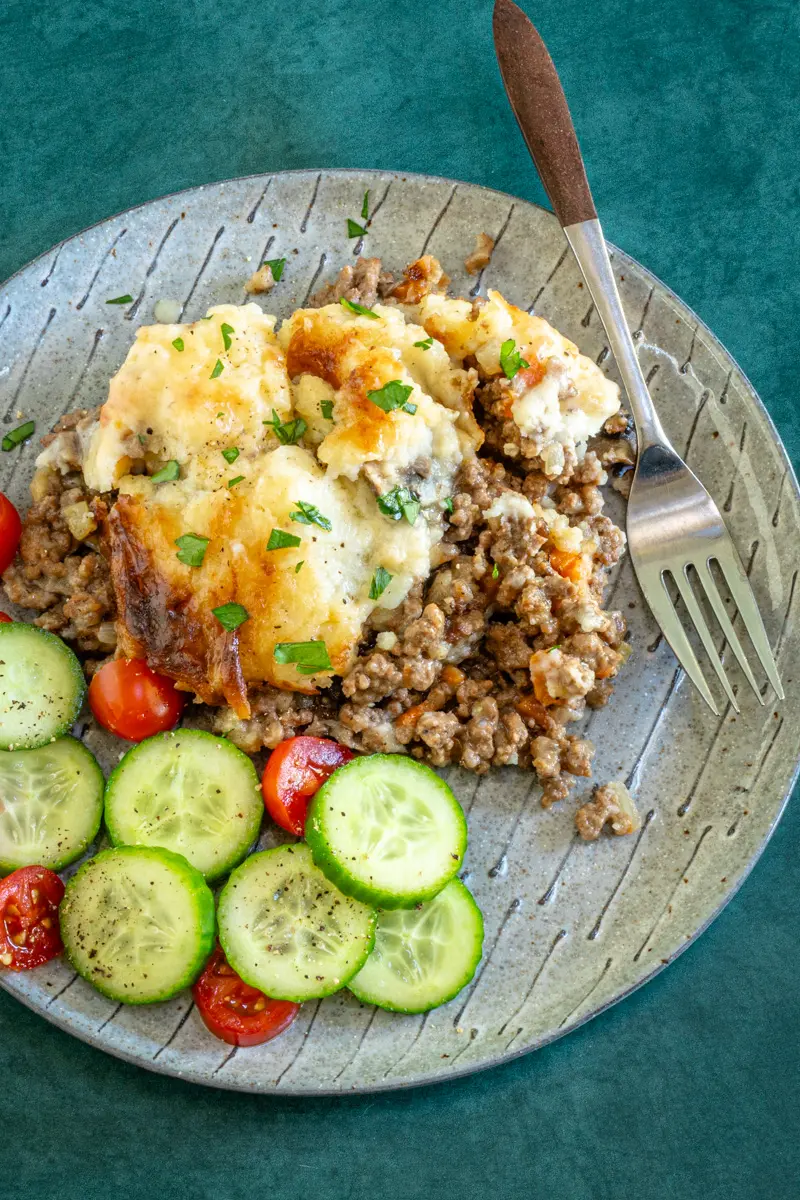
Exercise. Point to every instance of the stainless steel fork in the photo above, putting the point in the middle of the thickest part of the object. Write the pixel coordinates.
(674, 527)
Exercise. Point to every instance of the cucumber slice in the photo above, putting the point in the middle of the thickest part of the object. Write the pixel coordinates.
(190, 792)
(138, 923)
(423, 956)
(387, 830)
(287, 931)
(51, 804)
(41, 687)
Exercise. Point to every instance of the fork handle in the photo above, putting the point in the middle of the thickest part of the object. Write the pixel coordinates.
(589, 247)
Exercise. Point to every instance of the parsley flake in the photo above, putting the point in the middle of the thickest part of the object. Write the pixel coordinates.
(288, 434)
(358, 309)
(299, 565)
(278, 540)
(226, 331)
(448, 504)
(308, 657)
(510, 359)
(231, 615)
(354, 229)
(19, 435)
(365, 206)
(309, 514)
(233, 482)
(380, 581)
(495, 571)
(231, 454)
(126, 299)
(393, 395)
(424, 345)
(276, 266)
(178, 344)
(168, 473)
(191, 549)
(218, 369)
(326, 408)
(399, 503)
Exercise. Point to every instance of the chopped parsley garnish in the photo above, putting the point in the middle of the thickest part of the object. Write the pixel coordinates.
(354, 229)
(358, 309)
(448, 504)
(231, 454)
(308, 657)
(424, 345)
(218, 369)
(226, 331)
(290, 432)
(191, 549)
(233, 482)
(231, 616)
(398, 503)
(510, 359)
(380, 581)
(299, 565)
(178, 344)
(278, 540)
(142, 439)
(495, 571)
(393, 395)
(126, 299)
(276, 266)
(556, 647)
(309, 514)
(365, 206)
(326, 408)
(168, 473)
(19, 435)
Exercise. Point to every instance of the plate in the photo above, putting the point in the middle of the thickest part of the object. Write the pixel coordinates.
(570, 927)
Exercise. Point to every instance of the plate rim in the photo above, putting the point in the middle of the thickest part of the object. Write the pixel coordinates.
(423, 1080)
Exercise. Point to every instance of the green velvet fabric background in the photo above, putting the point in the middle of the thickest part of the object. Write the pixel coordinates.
(688, 114)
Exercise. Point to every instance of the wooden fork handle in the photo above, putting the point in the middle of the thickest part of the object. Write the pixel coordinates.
(540, 106)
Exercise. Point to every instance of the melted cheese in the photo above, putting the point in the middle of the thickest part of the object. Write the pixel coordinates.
(561, 401)
(163, 404)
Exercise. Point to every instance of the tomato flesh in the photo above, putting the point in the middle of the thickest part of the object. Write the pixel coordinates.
(29, 930)
(235, 1012)
(296, 770)
(5, 618)
(132, 701)
(10, 530)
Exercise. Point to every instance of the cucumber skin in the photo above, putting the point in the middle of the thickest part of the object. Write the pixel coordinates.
(341, 877)
(206, 914)
(294, 999)
(365, 998)
(92, 765)
(76, 670)
(195, 734)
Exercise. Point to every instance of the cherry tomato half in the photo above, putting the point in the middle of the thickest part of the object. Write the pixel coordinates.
(235, 1012)
(4, 617)
(133, 701)
(29, 931)
(296, 769)
(10, 529)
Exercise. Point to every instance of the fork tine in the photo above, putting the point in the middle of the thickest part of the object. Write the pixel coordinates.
(662, 608)
(696, 614)
(720, 612)
(745, 601)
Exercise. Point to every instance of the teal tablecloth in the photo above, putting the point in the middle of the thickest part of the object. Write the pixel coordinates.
(688, 113)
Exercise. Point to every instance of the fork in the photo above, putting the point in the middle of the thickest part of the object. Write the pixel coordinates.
(674, 527)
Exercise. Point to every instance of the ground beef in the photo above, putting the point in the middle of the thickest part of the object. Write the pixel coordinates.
(65, 580)
(612, 803)
(362, 284)
(481, 256)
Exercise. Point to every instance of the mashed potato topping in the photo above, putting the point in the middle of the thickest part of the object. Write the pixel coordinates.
(228, 431)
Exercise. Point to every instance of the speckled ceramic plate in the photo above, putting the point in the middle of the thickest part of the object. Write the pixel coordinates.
(570, 927)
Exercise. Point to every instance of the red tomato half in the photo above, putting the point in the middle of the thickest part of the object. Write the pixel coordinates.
(29, 932)
(295, 771)
(4, 617)
(10, 529)
(235, 1012)
(133, 701)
